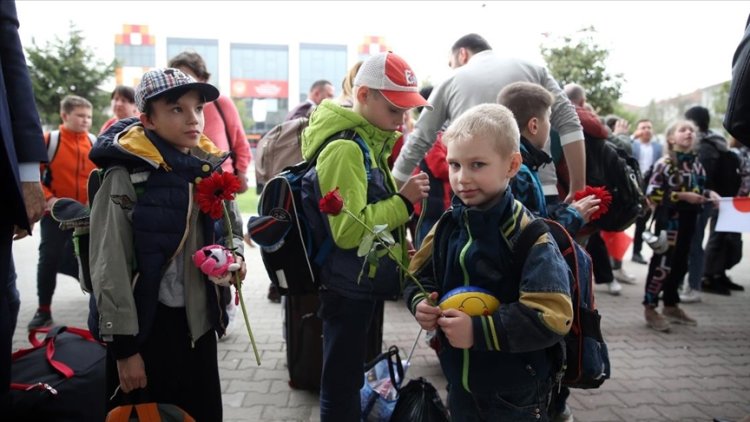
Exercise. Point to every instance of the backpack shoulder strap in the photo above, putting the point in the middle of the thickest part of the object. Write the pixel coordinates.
(346, 134)
(138, 178)
(526, 240)
(54, 143)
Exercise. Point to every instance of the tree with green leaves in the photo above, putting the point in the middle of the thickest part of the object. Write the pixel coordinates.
(67, 66)
(579, 59)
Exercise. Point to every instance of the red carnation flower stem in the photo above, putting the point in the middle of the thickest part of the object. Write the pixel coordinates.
(238, 282)
(391, 255)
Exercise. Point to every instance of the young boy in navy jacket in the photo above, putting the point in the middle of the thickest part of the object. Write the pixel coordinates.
(497, 363)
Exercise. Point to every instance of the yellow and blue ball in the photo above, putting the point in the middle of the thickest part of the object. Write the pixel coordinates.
(473, 301)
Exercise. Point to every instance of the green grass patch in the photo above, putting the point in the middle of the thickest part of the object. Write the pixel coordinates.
(248, 201)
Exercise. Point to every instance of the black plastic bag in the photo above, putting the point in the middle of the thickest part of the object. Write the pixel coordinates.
(418, 401)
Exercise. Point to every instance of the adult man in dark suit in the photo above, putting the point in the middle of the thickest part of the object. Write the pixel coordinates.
(21, 152)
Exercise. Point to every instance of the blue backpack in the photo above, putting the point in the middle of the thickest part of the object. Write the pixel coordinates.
(585, 360)
(290, 254)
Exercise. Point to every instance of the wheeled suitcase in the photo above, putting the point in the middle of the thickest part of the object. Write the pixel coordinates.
(304, 340)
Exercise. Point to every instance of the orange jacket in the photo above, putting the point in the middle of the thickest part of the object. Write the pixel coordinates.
(67, 173)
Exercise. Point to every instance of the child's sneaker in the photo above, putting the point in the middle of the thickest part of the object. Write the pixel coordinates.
(565, 416)
(614, 288)
(655, 320)
(623, 277)
(678, 316)
(688, 295)
(41, 319)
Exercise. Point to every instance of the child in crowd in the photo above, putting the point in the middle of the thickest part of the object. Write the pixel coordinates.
(676, 188)
(157, 311)
(64, 176)
(497, 365)
(384, 88)
(531, 105)
(123, 106)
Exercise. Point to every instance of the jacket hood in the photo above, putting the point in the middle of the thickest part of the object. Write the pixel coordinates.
(127, 143)
(330, 118)
(714, 139)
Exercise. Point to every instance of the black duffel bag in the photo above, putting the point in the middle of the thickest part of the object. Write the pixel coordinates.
(60, 378)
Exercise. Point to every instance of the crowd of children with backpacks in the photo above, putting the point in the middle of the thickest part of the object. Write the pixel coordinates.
(497, 235)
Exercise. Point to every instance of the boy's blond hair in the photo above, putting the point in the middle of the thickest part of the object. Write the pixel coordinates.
(71, 102)
(490, 121)
(526, 100)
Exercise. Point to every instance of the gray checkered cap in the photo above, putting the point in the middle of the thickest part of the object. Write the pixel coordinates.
(158, 81)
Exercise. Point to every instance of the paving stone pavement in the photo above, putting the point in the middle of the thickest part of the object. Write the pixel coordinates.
(689, 374)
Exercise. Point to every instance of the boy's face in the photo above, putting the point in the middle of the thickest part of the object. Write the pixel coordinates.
(78, 120)
(538, 129)
(378, 111)
(478, 173)
(181, 123)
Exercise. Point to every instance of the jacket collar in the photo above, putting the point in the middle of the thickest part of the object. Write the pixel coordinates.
(140, 142)
(533, 157)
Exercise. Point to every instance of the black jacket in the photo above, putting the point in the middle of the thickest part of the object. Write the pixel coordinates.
(737, 118)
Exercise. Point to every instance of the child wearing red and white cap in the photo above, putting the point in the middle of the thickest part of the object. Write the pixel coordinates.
(356, 162)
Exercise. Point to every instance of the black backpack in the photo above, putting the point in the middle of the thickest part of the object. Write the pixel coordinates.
(613, 168)
(728, 173)
(585, 356)
(290, 254)
(72, 214)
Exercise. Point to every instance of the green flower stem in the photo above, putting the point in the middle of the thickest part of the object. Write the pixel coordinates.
(391, 255)
(238, 282)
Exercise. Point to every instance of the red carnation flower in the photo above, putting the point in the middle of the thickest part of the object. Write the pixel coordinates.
(212, 191)
(599, 192)
(332, 203)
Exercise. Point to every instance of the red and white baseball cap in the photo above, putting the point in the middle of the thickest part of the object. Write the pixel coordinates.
(393, 77)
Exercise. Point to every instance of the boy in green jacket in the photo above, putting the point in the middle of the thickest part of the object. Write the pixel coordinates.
(384, 88)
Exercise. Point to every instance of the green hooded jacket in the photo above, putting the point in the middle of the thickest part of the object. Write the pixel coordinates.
(341, 164)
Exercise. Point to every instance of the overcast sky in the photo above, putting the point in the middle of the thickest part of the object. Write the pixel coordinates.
(663, 48)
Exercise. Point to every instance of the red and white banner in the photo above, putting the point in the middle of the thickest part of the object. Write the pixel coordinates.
(734, 215)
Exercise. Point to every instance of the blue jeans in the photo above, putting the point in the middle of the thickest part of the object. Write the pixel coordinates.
(345, 326)
(528, 403)
(696, 256)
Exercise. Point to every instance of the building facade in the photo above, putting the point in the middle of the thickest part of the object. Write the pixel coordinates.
(266, 80)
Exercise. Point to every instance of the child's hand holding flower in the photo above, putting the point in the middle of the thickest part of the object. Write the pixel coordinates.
(211, 195)
(592, 202)
(427, 314)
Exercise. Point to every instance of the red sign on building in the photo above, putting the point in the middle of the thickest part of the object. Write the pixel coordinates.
(255, 88)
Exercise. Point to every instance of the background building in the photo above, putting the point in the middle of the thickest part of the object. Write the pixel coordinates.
(265, 80)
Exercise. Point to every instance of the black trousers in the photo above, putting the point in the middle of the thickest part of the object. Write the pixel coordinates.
(666, 271)
(345, 327)
(723, 251)
(55, 255)
(6, 330)
(177, 372)
(599, 259)
(640, 227)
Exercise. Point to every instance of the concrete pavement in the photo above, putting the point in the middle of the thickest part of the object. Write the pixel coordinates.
(689, 374)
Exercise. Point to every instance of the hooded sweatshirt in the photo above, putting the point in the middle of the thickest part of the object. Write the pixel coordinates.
(372, 198)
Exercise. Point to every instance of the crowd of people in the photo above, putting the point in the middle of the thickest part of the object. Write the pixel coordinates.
(477, 167)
